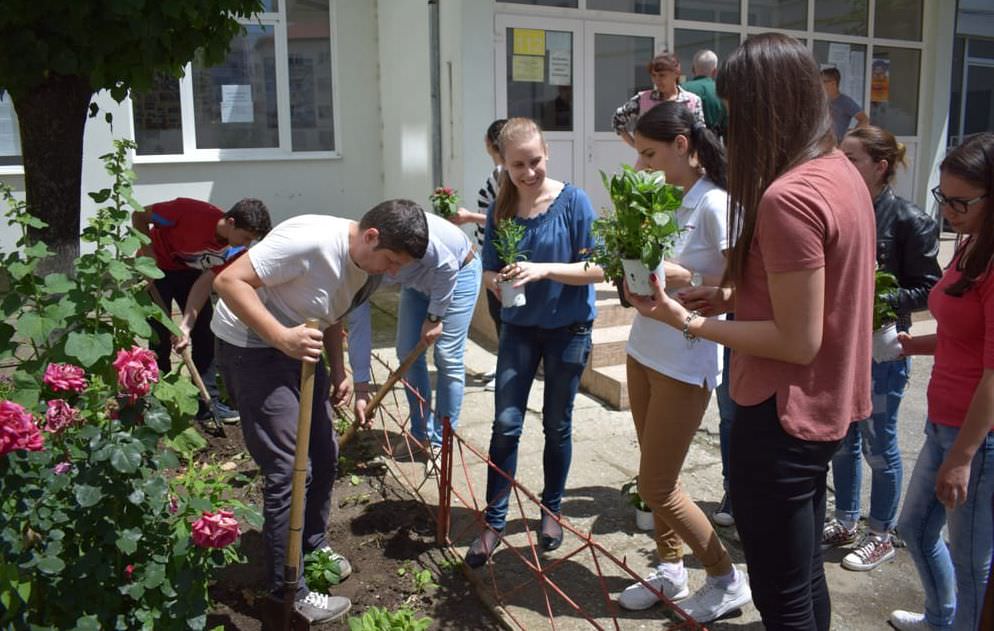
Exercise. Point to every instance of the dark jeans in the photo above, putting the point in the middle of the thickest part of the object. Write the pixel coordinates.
(175, 286)
(564, 353)
(777, 483)
(265, 385)
(494, 307)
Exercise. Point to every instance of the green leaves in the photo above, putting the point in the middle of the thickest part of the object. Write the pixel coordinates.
(89, 348)
(127, 540)
(885, 292)
(508, 235)
(87, 495)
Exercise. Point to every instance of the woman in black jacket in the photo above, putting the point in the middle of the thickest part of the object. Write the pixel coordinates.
(907, 245)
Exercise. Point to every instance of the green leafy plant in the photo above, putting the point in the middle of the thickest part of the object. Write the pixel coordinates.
(380, 619)
(322, 570)
(630, 491)
(94, 534)
(444, 201)
(507, 241)
(423, 580)
(643, 225)
(885, 290)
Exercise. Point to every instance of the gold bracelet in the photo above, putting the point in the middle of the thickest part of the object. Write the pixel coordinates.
(687, 335)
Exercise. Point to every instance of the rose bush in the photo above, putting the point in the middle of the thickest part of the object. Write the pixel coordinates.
(98, 514)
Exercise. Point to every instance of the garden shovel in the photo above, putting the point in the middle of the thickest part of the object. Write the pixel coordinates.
(211, 424)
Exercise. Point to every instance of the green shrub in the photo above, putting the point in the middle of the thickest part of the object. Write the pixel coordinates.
(379, 619)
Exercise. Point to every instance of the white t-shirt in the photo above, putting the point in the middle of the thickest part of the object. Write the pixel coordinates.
(699, 248)
(306, 272)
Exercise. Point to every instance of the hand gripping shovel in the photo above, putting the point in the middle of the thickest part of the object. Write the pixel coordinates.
(291, 567)
(212, 425)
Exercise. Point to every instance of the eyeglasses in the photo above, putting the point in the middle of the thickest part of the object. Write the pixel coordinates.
(961, 206)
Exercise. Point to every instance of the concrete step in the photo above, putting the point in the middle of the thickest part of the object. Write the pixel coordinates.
(609, 309)
(607, 383)
(609, 344)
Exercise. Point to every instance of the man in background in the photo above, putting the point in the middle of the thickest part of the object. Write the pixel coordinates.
(705, 69)
(841, 106)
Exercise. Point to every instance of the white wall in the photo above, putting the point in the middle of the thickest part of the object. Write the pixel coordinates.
(405, 98)
(937, 60)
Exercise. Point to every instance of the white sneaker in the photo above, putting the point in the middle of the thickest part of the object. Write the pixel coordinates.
(433, 460)
(490, 385)
(490, 375)
(637, 597)
(715, 600)
(909, 621)
(317, 608)
(871, 551)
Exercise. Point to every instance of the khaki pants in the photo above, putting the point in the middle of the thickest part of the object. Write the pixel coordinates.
(667, 414)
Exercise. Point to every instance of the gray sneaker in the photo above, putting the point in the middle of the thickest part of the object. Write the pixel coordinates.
(317, 608)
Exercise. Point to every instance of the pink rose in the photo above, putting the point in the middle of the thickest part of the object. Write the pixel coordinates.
(62, 468)
(136, 371)
(18, 430)
(447, 190)
(129, 571)
(65, 378)
(215, 530)
(59, 416)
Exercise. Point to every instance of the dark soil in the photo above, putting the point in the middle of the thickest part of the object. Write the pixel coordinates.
(387, 536)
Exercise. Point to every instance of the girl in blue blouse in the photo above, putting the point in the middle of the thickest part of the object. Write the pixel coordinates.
(552, 328)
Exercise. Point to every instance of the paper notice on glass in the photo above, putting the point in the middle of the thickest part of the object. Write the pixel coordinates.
(528, 68)
(838, 56)
(558, 40)
(560, 67)
(9, 141)
(529, 41)
(855, 82)
(880, 80)
(236, 104)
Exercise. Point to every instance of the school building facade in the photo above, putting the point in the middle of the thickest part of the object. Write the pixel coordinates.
(329, 106)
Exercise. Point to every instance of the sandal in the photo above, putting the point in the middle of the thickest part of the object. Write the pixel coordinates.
(552, 532)
(483, 548)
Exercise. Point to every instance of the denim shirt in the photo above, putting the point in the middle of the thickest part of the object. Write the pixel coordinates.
(559, 235)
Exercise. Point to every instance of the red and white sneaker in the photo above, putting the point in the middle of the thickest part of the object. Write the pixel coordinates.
(871, 551)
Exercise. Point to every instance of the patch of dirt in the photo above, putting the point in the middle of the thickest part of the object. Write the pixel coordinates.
(388, 537)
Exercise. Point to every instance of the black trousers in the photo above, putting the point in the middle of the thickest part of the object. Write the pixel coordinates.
(777, 484)
(175, 286)
(493, 306)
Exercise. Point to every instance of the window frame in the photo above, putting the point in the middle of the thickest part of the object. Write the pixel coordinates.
(277, 20)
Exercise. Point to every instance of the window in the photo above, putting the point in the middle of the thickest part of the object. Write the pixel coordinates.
(271, 96)
(569, 4)
(725, 11)
(540, 77)
(894, 104)
(687, 42)
(785, 14)
(646, 7)
(846, 17)
(898, 19)
(619, 65)
(10, 134)
(850, 61)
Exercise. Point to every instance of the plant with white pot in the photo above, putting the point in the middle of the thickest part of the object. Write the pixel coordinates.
(633, 240)
(507, 241)
(886, 346)
(643, 514)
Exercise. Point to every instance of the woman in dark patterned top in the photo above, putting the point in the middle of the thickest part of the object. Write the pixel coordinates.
(665, 72)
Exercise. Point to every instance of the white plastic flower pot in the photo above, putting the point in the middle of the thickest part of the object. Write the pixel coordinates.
(637, 276)
(511, 296)
(643, 519)
(886, 346)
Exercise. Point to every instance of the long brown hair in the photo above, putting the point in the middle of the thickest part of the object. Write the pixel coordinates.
(880, 144)
(973, 161)
(777, 119)
(514, 132)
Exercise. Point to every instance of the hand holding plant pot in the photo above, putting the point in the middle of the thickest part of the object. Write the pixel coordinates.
(633, 240)
(444, 201)
(886, 346)
(507, 242)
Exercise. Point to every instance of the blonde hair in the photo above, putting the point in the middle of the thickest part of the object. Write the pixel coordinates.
(515, 131)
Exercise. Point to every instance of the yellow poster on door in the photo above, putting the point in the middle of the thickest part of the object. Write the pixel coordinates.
(529, 41)
(528, 68)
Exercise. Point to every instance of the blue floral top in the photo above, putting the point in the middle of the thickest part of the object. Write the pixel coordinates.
(562, 234)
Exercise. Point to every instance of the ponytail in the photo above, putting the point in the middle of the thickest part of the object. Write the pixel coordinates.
(670, 119)
(710, 154)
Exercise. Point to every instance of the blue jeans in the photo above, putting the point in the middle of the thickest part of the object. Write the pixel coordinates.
(953, 575)
(449, 351)
(564, 353)
(876, 437)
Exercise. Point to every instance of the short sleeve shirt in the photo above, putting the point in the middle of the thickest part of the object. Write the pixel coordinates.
(842, 109)
(306, 272)
(184, 235)
(817, 215)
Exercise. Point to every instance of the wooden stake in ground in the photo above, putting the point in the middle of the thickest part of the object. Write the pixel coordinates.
(291, 568)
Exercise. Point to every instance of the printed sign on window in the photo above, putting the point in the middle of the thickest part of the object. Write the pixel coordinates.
(529, 41)
(528, 68)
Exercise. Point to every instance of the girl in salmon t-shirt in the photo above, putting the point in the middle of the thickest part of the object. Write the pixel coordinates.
(800, 280)
(956, 464)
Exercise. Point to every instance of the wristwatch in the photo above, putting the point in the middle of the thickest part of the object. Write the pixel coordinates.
(696, 279)
(431, 317)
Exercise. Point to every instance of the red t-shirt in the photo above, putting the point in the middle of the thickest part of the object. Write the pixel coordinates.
(964, 345)
(184, 235)
(818, 214)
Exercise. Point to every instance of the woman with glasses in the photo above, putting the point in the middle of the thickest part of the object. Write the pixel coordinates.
(664, 69)
(907, 245)
(953, 481)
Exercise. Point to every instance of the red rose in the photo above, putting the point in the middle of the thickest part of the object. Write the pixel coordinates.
(129, 571)
(18, 430)
(65, 378)
(137, 370)
(215, 530)
(59, 416)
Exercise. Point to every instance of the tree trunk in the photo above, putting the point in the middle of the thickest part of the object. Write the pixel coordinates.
(52, 117)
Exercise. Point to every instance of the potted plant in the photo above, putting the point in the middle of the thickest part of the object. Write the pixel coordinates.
(444, 201)
(507, 242)
(633, 240)
(643, 514)
(886, 346)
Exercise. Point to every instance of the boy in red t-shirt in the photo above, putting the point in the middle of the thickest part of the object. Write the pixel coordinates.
(192, 241)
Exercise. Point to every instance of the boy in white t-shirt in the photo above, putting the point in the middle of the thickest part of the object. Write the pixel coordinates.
(310, 266)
